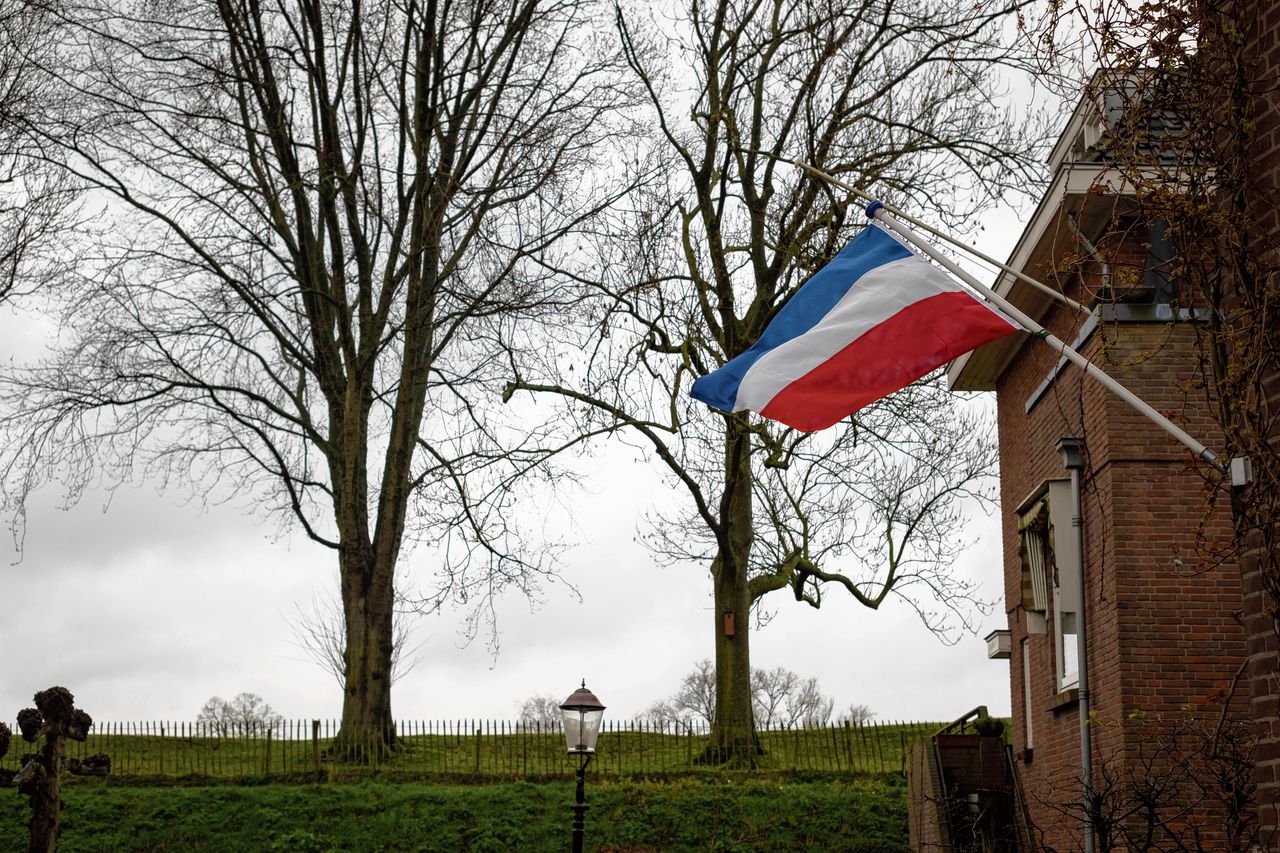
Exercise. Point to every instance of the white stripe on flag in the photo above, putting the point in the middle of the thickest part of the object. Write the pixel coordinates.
(878, 295)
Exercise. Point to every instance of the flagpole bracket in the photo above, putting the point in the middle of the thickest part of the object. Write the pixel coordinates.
(1241, 471)
(875, 207)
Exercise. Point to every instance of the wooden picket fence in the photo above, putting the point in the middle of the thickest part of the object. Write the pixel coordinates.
(486, 749)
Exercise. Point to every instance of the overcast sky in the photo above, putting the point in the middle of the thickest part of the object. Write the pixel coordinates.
(148, 608)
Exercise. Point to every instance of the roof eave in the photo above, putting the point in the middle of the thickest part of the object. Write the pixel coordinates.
(1075, 187)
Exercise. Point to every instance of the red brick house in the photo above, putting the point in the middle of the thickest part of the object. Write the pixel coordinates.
(1161, 616)
(1258, 25)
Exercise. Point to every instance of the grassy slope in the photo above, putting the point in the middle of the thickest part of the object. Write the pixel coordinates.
(689, 814)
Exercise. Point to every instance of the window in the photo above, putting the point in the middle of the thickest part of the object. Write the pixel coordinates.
(1051, 574)
(1066, 577)
(1141, 266)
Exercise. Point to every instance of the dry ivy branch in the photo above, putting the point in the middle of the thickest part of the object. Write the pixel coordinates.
(1188, 98)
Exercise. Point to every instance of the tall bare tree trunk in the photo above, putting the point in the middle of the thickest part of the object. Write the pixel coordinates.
(733, 736)
(367, 731)
(733, 733)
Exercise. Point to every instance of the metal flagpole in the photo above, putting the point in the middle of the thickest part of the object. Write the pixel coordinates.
(941, 235)
(890, 216)
(1239, 471)
(878, 212)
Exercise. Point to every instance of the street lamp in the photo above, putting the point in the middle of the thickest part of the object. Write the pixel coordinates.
(582, 713)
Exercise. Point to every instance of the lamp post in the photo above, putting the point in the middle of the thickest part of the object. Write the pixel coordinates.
(581, 713)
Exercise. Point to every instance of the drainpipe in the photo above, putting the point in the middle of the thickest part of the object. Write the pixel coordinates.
(1073, 460)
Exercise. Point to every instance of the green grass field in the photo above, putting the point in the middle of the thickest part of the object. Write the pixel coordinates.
(711, 814)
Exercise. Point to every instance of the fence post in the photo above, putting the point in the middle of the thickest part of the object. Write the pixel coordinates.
(477, 750)
(315, 746)
(266, 756)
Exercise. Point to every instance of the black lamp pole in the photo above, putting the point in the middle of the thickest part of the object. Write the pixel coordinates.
(580, 805)
(582, 712)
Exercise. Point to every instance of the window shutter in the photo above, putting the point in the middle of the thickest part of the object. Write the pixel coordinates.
(1033, 531)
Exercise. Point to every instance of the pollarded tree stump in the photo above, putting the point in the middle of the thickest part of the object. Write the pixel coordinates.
(57, 719)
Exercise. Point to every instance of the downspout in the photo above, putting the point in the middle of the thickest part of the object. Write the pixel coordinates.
(1073, 460)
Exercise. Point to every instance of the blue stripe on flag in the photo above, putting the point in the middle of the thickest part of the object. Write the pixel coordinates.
(870, 249)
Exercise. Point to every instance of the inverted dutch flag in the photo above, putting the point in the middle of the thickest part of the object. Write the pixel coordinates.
(872, 321)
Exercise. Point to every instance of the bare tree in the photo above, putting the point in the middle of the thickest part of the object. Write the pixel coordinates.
(662, 713)
(541, 711)
(318, 631)
(247, 715)
(781, 698)
(896, 94)
(770, 690)
(697, 694)
(37, 202)
(328, 215)
(856, 714)
(808, 707)
(695, 699)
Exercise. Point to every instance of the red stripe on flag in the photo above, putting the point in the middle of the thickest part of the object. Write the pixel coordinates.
(888, 357)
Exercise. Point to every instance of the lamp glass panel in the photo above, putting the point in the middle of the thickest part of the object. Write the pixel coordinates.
(581, 729)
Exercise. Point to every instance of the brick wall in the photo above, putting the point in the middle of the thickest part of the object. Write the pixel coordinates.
(1162, 635)
(925, 828)
(1263, 40)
